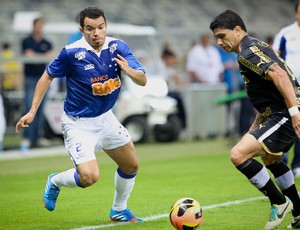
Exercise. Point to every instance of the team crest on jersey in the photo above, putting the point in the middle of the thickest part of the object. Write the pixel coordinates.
(267, 112)
(113, 48)
(89, 66)
(263, 44)
(80, 55)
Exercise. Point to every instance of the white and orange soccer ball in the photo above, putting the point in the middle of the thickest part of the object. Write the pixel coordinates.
(186, 214)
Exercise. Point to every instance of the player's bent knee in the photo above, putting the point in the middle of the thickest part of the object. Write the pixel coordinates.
(130, 169)
(89, 179)
(270, 159)
(236, 156)
(134, 169)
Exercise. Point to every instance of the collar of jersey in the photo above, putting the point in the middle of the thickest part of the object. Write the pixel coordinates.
(84, 44)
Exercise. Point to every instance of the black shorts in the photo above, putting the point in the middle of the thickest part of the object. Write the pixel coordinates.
(276, 134)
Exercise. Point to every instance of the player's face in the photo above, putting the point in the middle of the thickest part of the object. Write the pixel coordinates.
(227, 39)
(94, 32)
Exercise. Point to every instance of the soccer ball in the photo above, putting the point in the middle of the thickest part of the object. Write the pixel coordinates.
(186, 214)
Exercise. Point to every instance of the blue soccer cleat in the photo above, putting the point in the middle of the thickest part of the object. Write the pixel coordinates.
(123, 216)
(50, 194)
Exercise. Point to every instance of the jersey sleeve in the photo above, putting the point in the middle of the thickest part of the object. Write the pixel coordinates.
(258, 59)
(61, 66)
(125, 52)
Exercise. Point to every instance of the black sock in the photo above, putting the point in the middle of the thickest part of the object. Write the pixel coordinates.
(259, 177)
(285, 180)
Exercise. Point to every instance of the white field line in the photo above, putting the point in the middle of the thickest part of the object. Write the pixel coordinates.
(160, 216)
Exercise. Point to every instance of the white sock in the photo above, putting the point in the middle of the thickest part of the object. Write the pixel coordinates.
(124, 186)
(65, 179)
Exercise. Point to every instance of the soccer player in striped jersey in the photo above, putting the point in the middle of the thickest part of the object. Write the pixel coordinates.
(274, 92)
(92, 67)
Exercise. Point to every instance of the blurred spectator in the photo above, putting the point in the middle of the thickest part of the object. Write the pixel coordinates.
(270, 40)
(2, 123)
(173, 79)
(10, 69)
(170, 60)
(231, 75)
(247, 114)
(76, 35)
(35, 45)
(287, 44)
(232, 78)
(204, 63)
(191, 45)
(10, 79)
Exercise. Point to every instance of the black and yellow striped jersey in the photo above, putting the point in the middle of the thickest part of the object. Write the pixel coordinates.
(255, 59)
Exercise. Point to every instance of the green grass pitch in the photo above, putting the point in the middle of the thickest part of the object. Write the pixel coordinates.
(199, 169)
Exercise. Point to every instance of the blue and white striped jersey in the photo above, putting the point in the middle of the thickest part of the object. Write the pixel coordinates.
(93, 79)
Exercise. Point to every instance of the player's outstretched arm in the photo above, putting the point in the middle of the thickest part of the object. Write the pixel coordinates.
(137, 76)
(282, 82)
(39, 93)
(285, 87)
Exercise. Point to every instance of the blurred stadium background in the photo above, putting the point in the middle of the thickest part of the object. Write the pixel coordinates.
(179, 22)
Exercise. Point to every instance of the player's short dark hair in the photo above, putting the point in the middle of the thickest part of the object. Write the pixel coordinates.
(92, 12)
(227, 20)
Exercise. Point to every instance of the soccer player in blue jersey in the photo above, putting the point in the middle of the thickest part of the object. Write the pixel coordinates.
(274, 92)
(92, 67)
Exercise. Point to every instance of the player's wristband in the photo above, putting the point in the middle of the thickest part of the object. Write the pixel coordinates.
(293, 110)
